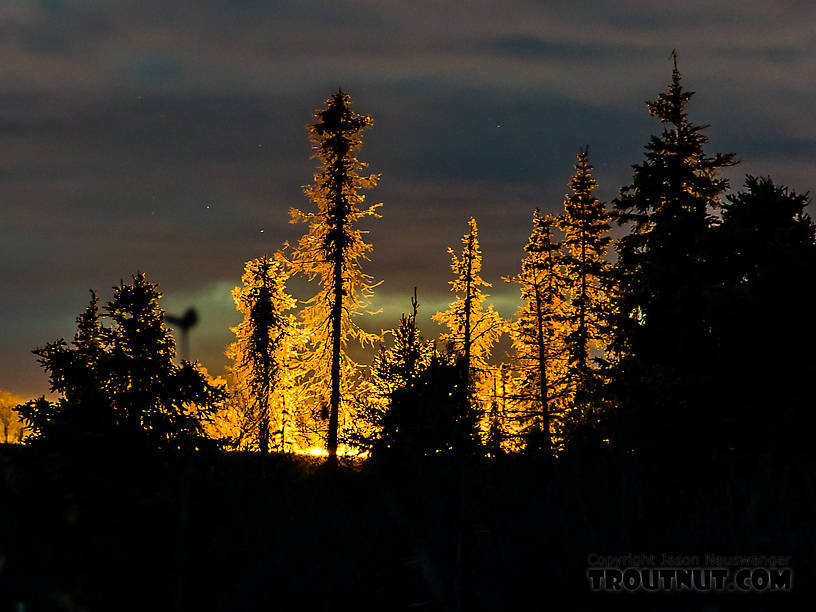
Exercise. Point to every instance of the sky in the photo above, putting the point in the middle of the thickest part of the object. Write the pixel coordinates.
(169, 137)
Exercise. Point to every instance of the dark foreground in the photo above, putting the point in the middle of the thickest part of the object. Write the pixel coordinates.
(90, 531)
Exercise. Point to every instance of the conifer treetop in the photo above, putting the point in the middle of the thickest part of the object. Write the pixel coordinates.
(677, 177)
(263, 300)
(336, 192)
(486, 325)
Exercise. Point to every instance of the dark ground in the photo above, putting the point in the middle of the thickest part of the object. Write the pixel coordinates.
(104, 531)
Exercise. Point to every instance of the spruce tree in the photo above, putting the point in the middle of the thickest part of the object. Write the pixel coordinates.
(425, 417)
(332, 250)
(76, 373)
(155, 395)
(586, 285)
(761, 254)
(585, 276)
(398, 365)
(537, 335)
(395, 367)
(661, 335)
(264, 341)
(473, 329)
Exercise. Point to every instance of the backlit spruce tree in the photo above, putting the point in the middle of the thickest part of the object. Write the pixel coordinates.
(332, 250)
(262, 351)
(662, 338)
(585, 270)
(473, 329)
(537, 336)
(587, 286)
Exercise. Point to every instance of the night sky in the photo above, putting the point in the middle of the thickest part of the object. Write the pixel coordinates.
(169, 137)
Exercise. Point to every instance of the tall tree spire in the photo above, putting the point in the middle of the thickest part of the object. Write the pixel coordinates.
(661, 333)
(332, 250)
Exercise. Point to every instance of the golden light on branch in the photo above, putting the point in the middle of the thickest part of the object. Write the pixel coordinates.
(473, 329)
(331, 251)
(264, 353)
(537, 337)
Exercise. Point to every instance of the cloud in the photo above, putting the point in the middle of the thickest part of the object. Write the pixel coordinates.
(120, 123)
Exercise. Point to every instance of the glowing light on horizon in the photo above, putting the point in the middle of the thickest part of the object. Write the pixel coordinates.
(342, 450)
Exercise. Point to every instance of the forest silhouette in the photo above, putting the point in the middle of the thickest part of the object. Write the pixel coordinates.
(657, 398)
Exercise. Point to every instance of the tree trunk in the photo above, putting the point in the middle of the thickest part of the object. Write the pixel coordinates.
(468, 309)
(336, 320)
(542, 379)
(465, 391)
(583, 336)
(263, 399)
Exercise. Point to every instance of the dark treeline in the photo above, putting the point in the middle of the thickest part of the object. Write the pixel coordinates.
(658, 398)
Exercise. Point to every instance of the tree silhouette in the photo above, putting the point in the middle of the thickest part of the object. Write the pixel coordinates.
(264, 342)
(761, 256)
(332, 250)
(424, 416)
(661, 335)
(395, 367)
(78, 374)
(537, 338)
(121, 378)
(473, 329)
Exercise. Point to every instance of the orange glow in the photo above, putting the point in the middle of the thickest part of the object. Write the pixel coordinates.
(342, 450)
